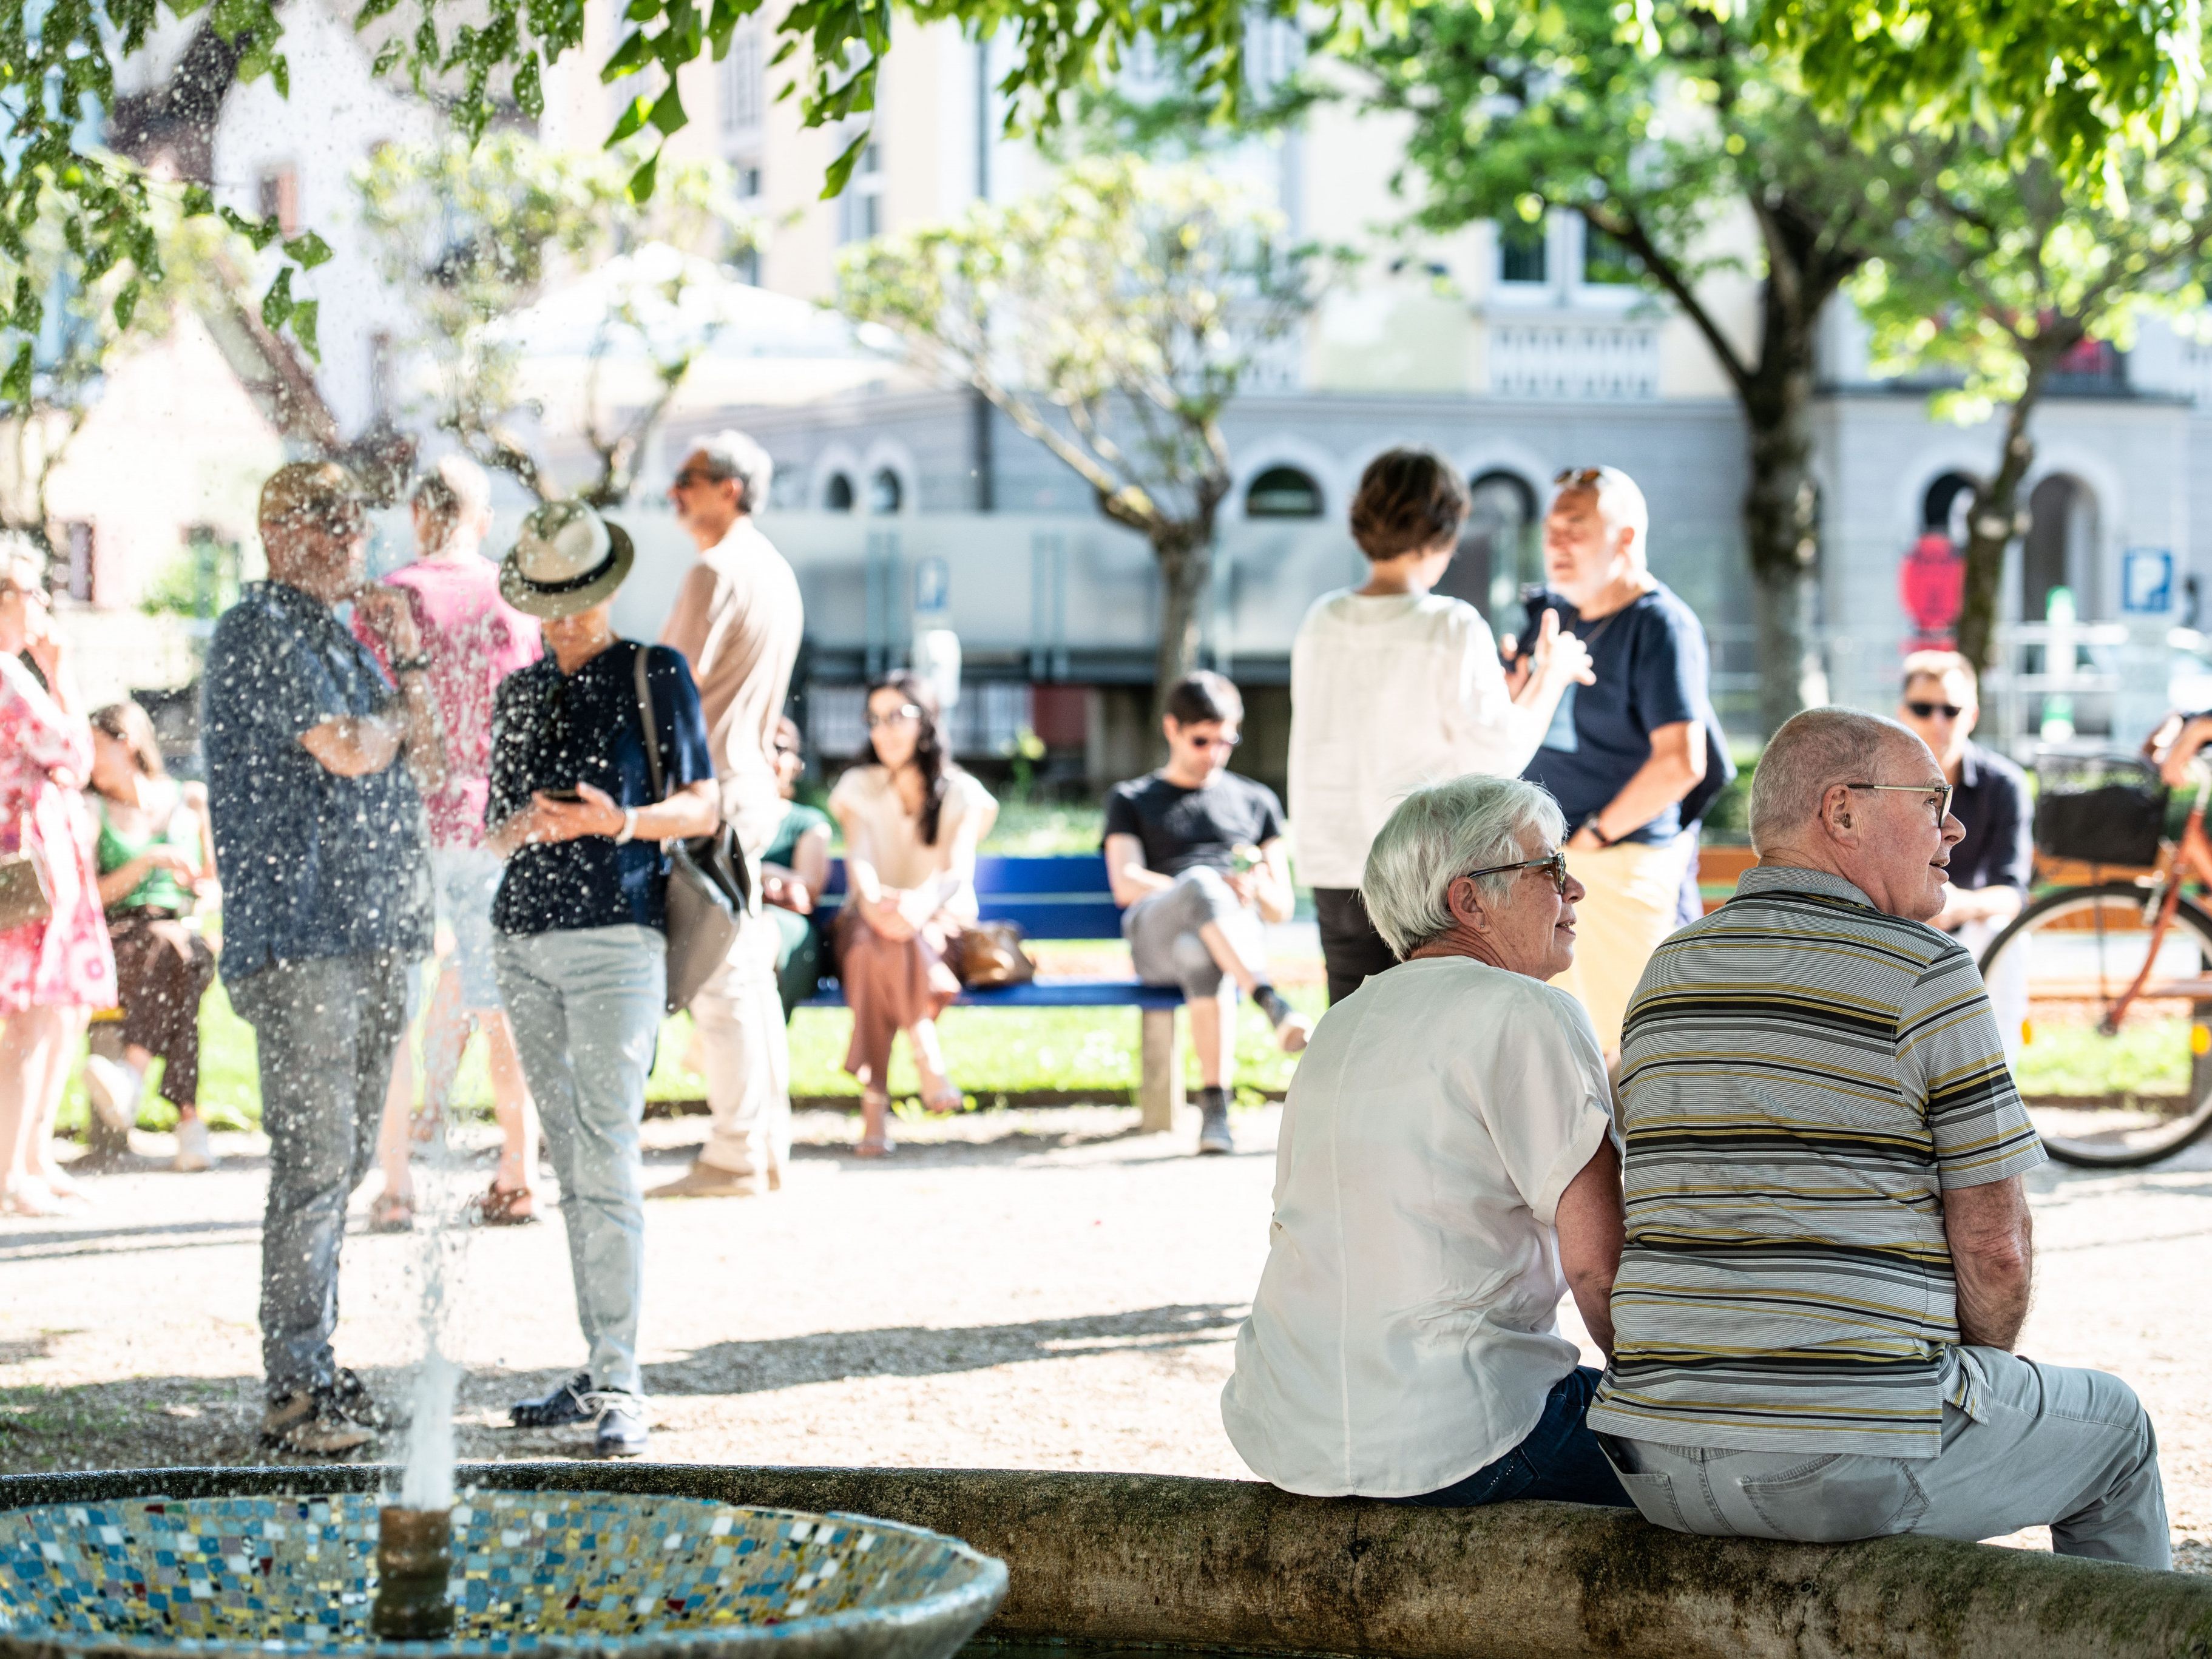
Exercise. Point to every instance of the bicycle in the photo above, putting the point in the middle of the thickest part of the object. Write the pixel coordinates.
(2104, 989)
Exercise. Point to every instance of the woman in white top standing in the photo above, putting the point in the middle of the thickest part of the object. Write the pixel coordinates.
(912, 821)
(1393, 686)
(1447, 1171)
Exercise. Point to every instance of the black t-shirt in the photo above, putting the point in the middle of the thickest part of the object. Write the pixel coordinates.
(1991, 801)
(554, 730)
(1182, 828)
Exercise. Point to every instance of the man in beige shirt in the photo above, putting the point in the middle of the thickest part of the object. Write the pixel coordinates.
(737, 620)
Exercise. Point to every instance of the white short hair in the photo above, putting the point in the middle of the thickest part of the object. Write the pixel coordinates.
(1813, 753)
(1620, 503)
(1439, 833)
(734, 454)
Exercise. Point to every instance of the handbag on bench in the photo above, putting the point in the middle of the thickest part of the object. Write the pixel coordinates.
(709, 888)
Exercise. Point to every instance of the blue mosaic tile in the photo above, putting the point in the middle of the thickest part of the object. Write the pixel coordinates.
(531, 1571)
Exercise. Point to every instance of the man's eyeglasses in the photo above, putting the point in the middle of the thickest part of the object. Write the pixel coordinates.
(1929, 711)
(1556, 864)
(1932, 793)
(692, 475)
(905, 712)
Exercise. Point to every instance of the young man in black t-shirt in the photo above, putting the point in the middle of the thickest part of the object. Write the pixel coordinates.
(1197, 860)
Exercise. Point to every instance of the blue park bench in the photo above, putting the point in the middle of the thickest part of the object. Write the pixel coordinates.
(1064, 896)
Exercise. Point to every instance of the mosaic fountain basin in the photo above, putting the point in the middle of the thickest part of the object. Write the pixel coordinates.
(625, 1574)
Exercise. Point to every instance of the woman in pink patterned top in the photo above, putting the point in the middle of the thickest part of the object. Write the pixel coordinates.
(53, 973)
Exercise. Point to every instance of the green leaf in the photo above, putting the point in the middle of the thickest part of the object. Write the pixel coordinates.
(633, 55)
(840, 170)
(259, 232)
(304, 315)
(16, 384)
(307, 250)
(370, 11)
(277, 304)
(633, 118)
(640, 185)
(668, 110)
(529, 92)
(387, 55)
(126, 303)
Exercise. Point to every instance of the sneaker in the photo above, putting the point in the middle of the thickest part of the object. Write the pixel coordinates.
(354, 1403)
(310, 1424)
(570, 1402)
(194, 1150)
(705, 1180)
(1213, 1134)
(621, 1431)
(113, 1086)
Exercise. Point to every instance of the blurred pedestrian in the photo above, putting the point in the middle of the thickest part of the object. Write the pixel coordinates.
(1992, 867)
(326, 900)
(1623, 750)
(582, 918)
(912, 821)
(737, 620)
(1393, 686)
(473, 640)
(794, 870)
(57, 970)
(1198, 861)
(156, 855)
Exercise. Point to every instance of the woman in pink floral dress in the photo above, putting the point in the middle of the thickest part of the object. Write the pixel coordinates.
(53, 973)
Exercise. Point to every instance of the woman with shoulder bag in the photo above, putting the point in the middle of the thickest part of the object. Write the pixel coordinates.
(582, 914)
(912, 821)
(56, 965)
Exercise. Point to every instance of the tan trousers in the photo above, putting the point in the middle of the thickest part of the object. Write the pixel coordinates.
(747, 1055)
(1635, 892)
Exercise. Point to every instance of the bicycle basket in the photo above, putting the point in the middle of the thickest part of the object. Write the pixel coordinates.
(2101, 809)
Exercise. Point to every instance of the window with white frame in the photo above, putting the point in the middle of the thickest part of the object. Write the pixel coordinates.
(742, 100)
(1523, 254)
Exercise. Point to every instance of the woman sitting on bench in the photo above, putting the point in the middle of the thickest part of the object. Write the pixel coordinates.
(912, 821)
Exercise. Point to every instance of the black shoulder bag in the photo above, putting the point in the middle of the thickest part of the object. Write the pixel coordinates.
(709, 888)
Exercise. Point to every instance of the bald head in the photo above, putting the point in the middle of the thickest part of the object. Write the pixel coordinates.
(1811, 753)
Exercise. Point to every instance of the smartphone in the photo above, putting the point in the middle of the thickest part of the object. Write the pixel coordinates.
(567, 796)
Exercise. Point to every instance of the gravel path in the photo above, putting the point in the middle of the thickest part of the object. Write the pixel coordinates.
(1042, 1288)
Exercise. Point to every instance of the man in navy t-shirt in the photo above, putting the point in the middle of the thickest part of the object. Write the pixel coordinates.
(1622, 753)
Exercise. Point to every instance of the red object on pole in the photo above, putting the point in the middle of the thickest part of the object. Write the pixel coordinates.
(1932, 582)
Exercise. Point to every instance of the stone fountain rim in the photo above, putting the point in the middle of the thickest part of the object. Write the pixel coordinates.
(985, 1585)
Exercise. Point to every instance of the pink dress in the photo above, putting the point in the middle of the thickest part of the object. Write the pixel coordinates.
(45, 756)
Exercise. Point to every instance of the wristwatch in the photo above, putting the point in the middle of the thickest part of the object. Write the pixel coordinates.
(1591, 825)
(409, 666)
(629, 826)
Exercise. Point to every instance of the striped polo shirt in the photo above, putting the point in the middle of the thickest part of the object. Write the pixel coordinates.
(1802, 1078)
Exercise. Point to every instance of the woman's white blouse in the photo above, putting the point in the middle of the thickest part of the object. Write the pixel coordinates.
(1406, 1331)
(1389, 692)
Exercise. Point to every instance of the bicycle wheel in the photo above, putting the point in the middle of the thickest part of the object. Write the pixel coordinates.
(2106, 1098)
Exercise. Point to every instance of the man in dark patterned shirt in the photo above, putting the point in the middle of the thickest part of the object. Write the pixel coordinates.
(1828, 1256)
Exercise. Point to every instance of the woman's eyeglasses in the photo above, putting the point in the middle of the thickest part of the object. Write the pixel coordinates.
(1927, 711)
(1556, 865)
(894, 718)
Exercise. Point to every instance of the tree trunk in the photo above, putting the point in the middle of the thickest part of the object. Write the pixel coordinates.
(1781, 519)
(1994, 521)
(1185, 552)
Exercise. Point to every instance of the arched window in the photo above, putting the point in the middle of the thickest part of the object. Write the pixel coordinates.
(886, 493)
(1283, 492)
(1499, 548)
(2060, 549)
(837, 494)
(1944, 508)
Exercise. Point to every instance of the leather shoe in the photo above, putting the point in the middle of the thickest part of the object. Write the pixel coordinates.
(570, 1402)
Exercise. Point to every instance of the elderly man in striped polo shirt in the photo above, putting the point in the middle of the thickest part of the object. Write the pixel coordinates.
(1827, 1259)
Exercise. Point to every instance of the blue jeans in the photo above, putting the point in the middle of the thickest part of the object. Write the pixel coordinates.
(585, 1003)
(1560, 1460)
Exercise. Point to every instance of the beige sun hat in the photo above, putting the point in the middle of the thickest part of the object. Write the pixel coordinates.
(565, 559)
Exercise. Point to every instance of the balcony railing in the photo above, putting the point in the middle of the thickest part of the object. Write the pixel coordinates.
(1610, 360)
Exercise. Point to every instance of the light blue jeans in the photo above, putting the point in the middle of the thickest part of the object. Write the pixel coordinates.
(585, 1006)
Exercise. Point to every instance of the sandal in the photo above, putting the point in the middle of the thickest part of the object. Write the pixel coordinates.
(502, 1206)
(875, 1146)
(945, 1102)
(390, 1214)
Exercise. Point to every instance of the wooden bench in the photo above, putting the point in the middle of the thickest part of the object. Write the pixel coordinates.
(1059, 897)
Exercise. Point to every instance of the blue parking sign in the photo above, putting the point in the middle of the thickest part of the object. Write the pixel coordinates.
(2146, 581)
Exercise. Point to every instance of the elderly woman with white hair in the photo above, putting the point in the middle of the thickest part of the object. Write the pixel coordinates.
(1447, 1171)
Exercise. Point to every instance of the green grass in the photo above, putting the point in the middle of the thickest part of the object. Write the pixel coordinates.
(2148, 1057)
(1016, 1051)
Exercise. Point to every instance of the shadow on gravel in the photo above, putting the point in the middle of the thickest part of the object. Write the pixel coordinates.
(157, 1422)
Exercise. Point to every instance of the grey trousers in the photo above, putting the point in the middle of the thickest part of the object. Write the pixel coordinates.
(586, 1006)
(2073, 1449)
(324, 1032)
(747, 1051)
(1162, 929)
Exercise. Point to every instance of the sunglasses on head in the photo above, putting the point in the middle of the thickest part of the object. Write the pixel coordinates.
(1579, 478)
(1927, 711)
